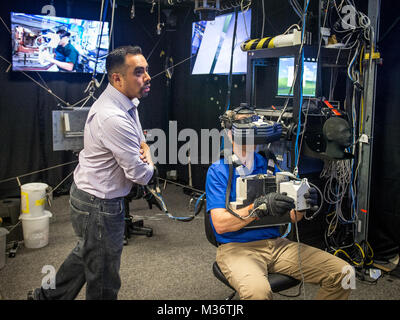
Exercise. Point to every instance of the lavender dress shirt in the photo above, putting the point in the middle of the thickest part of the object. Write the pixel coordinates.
(110, 161)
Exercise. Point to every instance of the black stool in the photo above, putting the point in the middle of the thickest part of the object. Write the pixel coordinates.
(277, 281)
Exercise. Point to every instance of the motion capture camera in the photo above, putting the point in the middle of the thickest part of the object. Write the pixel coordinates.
(250, 128)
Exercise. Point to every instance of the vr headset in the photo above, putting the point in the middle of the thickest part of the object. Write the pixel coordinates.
(250, 128)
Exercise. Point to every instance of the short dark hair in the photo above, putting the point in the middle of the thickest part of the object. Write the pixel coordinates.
(116, 58)
(63, 33)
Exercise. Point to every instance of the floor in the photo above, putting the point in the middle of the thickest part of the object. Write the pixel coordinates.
(174, 264)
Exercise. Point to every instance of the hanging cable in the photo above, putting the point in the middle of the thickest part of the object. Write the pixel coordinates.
(37, 171)
(93, 84)
(301, 56)
(263, 21)
(229, 91)
(166, 70)
(244, 9)
(157, 195)
(99, 39)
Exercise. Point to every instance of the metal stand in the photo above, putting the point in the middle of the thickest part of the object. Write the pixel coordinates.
(366, 142)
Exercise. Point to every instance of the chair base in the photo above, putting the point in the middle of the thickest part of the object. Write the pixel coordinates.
(134, 227)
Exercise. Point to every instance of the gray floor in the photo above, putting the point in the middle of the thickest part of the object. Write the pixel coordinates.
(174, 264)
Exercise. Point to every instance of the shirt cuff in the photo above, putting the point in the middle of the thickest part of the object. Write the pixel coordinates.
(149, 173)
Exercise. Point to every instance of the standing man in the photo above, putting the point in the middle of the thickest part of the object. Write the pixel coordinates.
(114, 157)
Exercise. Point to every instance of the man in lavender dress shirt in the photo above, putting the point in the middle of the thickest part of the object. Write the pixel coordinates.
(115, 155)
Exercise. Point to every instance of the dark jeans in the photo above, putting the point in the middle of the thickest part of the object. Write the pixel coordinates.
(99, 226)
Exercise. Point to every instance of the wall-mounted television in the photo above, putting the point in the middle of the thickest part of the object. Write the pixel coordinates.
(212, 42)
(47, 43)
(286, 74)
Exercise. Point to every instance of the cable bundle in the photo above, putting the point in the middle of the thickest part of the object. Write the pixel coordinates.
(338, 174)
(229, 4)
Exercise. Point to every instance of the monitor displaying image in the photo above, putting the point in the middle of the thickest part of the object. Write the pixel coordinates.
(212, 42)
(286, 73)
(53, 44)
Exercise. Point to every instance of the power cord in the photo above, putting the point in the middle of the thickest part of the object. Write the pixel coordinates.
(299, 259)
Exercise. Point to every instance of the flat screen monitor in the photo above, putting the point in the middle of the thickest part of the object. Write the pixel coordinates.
(53, 44)
(286, 74)
(212, 42)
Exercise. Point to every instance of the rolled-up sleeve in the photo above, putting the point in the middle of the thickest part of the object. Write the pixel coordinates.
(120, 137)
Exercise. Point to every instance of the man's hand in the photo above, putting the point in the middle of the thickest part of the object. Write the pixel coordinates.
(311, 197)
(296, 216)
(145, 153)
(273, 204)
(46, 56)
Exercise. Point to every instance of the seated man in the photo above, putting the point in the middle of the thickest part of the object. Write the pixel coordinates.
(246, 255)
(66, 56)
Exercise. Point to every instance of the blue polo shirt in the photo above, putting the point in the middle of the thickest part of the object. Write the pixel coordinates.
(216, 185)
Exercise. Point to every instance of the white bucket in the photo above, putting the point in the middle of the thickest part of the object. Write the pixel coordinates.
(36, 230)
(33, 199)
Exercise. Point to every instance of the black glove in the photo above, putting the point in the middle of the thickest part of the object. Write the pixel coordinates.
(273, 204)
(311, 197)
(149, 197)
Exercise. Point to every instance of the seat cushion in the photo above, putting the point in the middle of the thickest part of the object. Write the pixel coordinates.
(277, 281)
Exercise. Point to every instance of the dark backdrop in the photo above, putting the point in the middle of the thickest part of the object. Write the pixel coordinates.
(193, 101)
(26, 109)
(384, 223)
(199, 100)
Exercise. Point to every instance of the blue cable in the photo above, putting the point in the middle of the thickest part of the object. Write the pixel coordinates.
(349, 68)
(287, 231)
(353, 197)
(197, 202)
(296, 150)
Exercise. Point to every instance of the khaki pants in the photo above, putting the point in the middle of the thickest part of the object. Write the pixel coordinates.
(246, 265)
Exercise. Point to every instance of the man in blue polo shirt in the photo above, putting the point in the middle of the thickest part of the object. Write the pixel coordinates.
(245, 256)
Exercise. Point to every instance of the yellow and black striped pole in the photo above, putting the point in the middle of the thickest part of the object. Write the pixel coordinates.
(255, 44)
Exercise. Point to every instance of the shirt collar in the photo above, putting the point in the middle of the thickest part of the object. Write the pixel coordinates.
(126, 103)
(248, 166)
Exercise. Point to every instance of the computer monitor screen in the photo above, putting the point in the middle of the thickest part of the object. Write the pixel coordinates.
(286, 74)
(212, 42)
(47, 43)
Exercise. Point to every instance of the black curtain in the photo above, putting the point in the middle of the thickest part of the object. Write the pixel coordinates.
(384, 222)
(26, 109)
(193, 101)
(198, 100)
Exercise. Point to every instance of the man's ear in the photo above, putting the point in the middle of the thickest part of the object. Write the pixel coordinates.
(116, 78)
